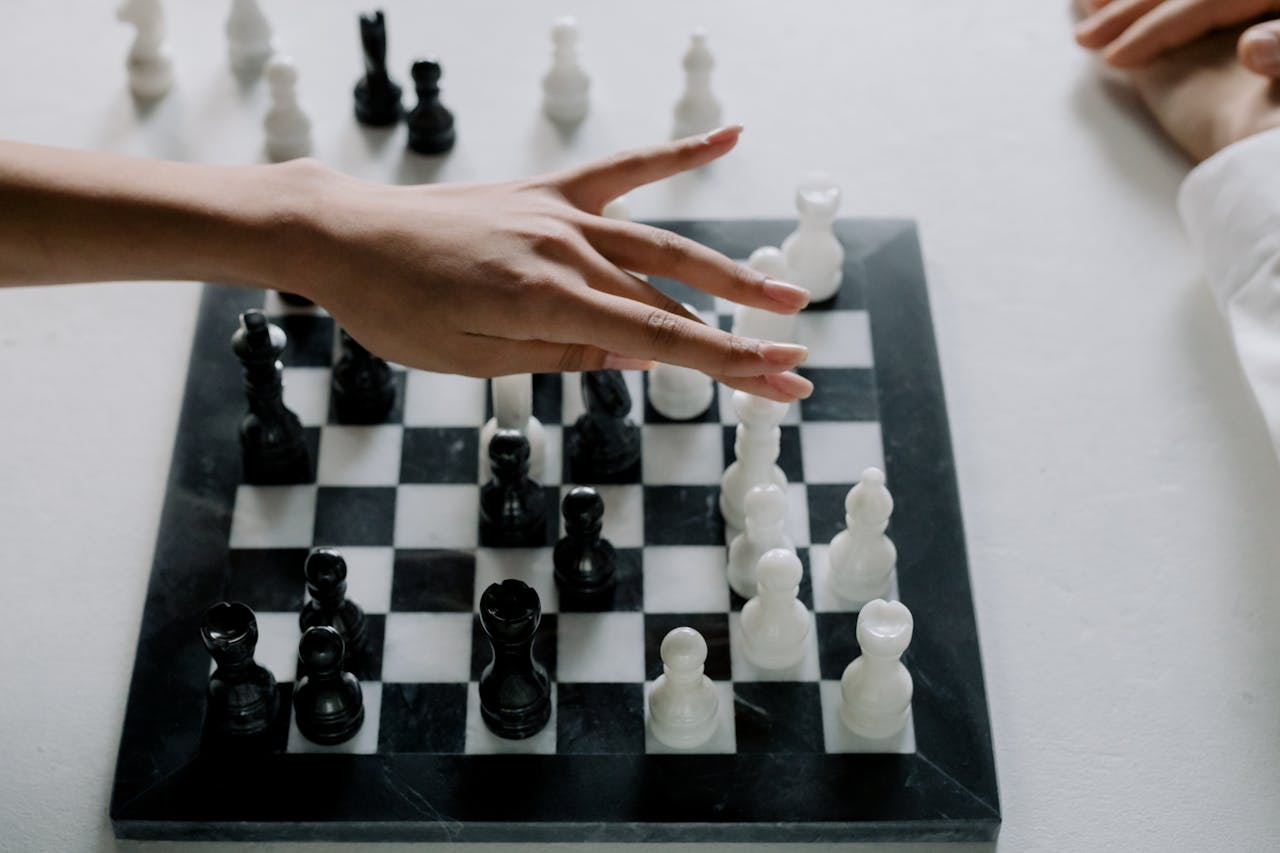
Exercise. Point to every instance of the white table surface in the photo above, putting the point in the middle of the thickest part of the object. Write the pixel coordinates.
(1119, 492)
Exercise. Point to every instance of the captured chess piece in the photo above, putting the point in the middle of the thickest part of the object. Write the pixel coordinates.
(756, 445)
(814, 255)
(697, 111)
(605, 444)
(149, 65)
(513, 508)
(766, 522)
(326, 574)
(328, 704)
(242, 693)
(272, 440)
(564, 87)
(776, 624)
(287, 127)
(683, 704)
(875, 686)
(862, 558)
(249, 43)
(363, 388)
(515, 692)
(584, 561)
(512, 398)
(377, 96)
(430, 122)
(752, 322)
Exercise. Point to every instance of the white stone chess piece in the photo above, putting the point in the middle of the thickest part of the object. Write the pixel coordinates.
(565, 85)
(149, 64)
(617, 209)
(876, 687)
(766, 529)
(862, 558)
(513, 409)
(756, 444)
(249, 44)
(697, 111)
(776, 624)
(813, 253)
(680, 393)
(751, 322)
(683, 704)
(287, 126)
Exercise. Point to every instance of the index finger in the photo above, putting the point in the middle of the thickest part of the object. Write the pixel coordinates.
(1176, 23)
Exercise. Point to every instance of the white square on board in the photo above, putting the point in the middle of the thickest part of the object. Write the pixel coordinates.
(273, 517)
(835, 338)
(605, 647)
(443, 399)
(437, 516)
(306, 392)
(427, 648)
(277, 649)
(838, 451)
(364, 742)
(838, 738)
(530, 565)
(743, 670)
(724, 740)
(360, 455)
(369, 572)
(683, 454)
(685, 579)
(481, 741)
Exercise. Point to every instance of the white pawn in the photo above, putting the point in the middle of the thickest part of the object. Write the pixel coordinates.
(149, 64)
(813, 253)
(249, 43)
(288, 128)
(766, 529)
(680, 393)
(564, 87)
(775, 624)
(752, 322)
(756, 445)
(876, 687)
(697, 111)
(862, 557)
(683, 704)
(513, 409)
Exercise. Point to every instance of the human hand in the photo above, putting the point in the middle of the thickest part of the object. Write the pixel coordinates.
(1131, 33)
(527, 277)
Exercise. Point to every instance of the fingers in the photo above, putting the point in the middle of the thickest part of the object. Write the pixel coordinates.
(1177, 23)
(1104, 26)
(653, 251)
(1259, 49)
(594, 185)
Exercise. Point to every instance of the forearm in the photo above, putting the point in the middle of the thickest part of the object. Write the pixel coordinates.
(79, 216)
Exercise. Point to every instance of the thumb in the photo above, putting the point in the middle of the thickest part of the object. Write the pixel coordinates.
(1259, 49)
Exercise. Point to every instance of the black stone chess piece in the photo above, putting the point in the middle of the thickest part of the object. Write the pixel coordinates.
(363, 388)
(377, 96)
(430, 122)
(242, 693)
(271, 437)
(584, 561)
(513, 508)
(515, 692)
(605, 444)
(326, 573)
(327, 703)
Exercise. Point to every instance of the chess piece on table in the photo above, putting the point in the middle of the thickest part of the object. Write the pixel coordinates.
(364, 389)
(814, 255)
(272, 440)
(697, 111)
(765, 529)
(326, 574)
(752, 322)
(328, 704)
(515, 692)
(876, 687)
(242, 693)
(776, 624)
(249, 44)
(430, 123)
(565, 85)
(377, 96)
(584, 561)
(512, 398)
(683, 703)
(513, 511)
(149, 64)
(605, 444)
(287, 127)
(862, 558)
(756, 445)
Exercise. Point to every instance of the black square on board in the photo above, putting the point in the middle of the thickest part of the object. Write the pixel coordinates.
(837, 642)
(683, 515)
(355, 515)
(310, 340)
(599, 719)
(840, 394)
(365, 663)
(826, 510)
(491, 536)
(778, 716)
(790, 459)
(423, 718)
(436, 580)
(714, 628)
(269, 580)
(805, 594)
(544, 647)
(440, 455)
(628, 589)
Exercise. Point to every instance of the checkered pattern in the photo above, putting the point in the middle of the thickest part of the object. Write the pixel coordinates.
(399, 499)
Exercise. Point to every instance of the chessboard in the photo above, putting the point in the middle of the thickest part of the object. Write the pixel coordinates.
(400, 501)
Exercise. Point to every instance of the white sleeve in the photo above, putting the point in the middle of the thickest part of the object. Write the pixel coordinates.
(1230, 205)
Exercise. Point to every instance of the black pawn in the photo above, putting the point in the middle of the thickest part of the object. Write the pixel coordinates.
(326, 573)
(584, 561)
(242, 693)
(430, 122)
(515, 692)
(377, 95)
(513, 507)
(271, 437)
(605, 444)
(327, 703)
(363, 388)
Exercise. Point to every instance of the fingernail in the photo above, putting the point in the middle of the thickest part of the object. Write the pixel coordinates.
(613, 361)
(723, 134)
(790, 384)
(1261, 50)
(785, 294)
(783, 355)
